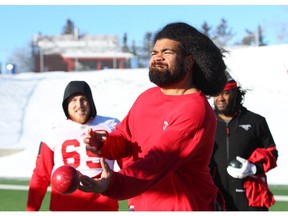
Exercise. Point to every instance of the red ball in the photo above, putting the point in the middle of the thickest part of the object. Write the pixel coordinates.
(65, 179)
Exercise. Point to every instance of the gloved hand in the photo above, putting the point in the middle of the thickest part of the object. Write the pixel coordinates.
(247, 169)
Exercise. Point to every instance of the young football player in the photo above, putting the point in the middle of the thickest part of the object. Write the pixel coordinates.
(64, 145)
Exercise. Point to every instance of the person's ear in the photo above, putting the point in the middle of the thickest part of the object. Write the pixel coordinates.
(189, 62)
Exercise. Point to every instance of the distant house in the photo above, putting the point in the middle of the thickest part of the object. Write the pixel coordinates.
(70, 52)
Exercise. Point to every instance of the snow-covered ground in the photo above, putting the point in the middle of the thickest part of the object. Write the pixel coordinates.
(31, 102)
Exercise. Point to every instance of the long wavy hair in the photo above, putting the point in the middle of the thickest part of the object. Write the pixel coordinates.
(240, 96)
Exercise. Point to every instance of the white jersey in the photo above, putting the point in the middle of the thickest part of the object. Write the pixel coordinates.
(66, 141)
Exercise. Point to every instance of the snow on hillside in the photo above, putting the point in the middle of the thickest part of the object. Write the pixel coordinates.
(31, 102)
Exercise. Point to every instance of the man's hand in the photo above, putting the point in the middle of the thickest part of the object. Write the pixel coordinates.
(247, 169)
(97, 185)
(95, 140)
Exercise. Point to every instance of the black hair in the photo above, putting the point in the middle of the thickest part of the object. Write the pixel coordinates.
(235, 102)
(209, 67)
(240, 97)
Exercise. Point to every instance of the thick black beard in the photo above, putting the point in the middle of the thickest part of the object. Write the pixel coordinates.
(166, 78)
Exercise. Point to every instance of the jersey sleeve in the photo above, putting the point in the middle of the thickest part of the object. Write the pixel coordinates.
(118, 148)
(119, 145)
(265, 156)
(40, 179)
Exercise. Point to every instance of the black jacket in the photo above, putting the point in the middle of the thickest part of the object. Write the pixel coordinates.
(246, 132)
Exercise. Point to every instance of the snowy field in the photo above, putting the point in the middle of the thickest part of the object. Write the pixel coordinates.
(31, 103)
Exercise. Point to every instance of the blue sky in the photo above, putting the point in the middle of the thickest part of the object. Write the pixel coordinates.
(18, 23)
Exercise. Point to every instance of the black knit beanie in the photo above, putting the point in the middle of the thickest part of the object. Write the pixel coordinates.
(81, 87)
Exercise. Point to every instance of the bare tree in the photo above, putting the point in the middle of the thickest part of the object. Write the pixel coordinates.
(283, 33)
(23, 59)
(254, 38)
(249, 38)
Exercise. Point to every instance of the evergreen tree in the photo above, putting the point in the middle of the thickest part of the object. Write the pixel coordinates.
(69, 27)
(223, 34)
(125, 47)
(261, 36)
(143, 53)
(205, 29)
(133, 48)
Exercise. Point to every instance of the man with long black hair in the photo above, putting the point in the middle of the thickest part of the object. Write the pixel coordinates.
(167, 138)
(244, 151)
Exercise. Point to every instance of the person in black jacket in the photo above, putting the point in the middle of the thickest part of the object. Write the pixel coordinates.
(244, 151)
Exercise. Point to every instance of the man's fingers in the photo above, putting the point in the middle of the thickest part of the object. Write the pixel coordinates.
(86, 140)
(99, 184)
(240, 159)
(94, 140)
(92, 149)
(83, 179)
(90, 131)
(105, 167)
(103, 134)
(84, 183)
(103, 163)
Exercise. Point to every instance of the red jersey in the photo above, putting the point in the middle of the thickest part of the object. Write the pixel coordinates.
(64, 145)
(169, 140)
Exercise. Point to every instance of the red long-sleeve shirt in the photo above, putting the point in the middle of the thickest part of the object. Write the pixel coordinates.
(170, 141)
